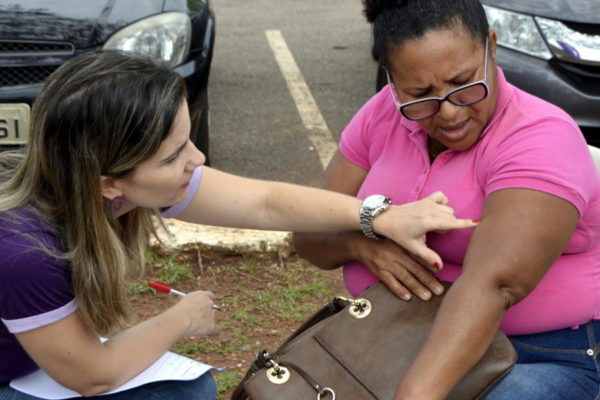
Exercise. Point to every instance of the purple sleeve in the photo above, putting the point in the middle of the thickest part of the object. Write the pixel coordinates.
(35, 289)
(192, 189)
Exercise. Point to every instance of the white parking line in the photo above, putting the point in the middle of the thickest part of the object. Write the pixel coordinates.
(314, 123)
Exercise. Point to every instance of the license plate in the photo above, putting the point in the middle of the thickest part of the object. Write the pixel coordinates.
(14, 123)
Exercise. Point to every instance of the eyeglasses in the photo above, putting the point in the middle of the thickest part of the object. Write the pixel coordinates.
(463, 96)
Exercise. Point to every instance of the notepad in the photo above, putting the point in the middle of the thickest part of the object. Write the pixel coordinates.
(170, 366)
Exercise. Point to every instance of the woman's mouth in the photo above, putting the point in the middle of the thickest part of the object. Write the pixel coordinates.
(185, 185)
(454, 133)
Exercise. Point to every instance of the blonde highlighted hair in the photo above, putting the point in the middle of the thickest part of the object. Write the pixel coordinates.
(101, 113)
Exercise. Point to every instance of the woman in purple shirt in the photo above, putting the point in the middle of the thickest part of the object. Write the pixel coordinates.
(109, 149)
(449, 121)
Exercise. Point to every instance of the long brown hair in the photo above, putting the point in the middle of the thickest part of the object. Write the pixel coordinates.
(101, 113)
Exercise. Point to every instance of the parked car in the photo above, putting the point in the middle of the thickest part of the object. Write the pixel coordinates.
(37, 36)
(551, 49)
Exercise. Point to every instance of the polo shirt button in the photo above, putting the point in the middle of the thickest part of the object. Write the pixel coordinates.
(418, 188)
(444, 157)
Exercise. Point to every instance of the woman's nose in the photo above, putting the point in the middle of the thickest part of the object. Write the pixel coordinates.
(197, 157)
(448, 111)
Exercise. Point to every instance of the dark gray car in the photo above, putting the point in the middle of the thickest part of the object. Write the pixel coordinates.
(38, 36)
(551, 48)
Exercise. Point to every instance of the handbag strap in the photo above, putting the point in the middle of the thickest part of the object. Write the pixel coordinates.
(263, 358)
(334, 306)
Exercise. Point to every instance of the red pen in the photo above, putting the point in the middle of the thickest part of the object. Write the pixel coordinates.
(164, 288)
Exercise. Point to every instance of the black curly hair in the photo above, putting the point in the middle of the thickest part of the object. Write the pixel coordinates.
(395, 21)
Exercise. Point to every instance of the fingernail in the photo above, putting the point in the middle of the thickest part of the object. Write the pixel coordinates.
(437, 266)
(406, 297)
(438, 290)
(476, 221)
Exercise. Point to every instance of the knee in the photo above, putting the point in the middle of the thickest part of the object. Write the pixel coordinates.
(205, 387)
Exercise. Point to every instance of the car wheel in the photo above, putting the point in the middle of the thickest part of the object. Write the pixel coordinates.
(200, 117)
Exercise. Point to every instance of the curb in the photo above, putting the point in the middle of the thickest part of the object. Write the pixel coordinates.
(185, 236)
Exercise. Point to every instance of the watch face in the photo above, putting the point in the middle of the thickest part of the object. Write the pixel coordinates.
(374, 201)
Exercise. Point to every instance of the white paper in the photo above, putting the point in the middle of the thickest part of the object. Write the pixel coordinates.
(170, 366)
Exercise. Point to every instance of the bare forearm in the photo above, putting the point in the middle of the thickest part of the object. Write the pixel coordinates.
(130, 352)
(70, 352)
(299, 208)
(328, 250)
(466, 325)
(228, 200)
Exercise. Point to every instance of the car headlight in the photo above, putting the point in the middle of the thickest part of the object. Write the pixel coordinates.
(518, 32)
(163, 37)
(566, 43)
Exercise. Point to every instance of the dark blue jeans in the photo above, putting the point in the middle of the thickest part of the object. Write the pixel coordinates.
(202, 388)
(554, 365)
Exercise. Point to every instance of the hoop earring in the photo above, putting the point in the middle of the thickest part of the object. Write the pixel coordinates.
(117, 203)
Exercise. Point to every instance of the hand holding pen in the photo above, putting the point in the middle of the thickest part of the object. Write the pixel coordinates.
(164, 288)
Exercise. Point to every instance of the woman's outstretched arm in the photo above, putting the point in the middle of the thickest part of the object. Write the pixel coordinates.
(228, 200)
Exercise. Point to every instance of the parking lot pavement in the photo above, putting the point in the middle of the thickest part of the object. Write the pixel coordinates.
(286, 78)
(259, 127)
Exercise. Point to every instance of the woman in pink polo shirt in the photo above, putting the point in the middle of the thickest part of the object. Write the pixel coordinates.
(449, 121)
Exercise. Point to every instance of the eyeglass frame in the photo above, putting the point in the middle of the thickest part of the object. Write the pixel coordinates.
(440, 100)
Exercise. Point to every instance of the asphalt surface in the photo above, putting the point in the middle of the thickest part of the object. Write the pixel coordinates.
(257, 127)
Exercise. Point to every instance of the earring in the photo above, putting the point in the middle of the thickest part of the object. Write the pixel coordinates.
(117, 203)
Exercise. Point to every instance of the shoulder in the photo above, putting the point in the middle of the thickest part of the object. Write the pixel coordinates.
(378, 111)
(520, 112)
(534, 144)
(22, 220)
(363, 139)
(23, 232)
(518, 109)
(522, 119)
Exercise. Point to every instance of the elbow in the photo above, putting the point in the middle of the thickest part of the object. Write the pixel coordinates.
(94, 390)
(87, 389)
(310, 246)
(513, 292)
(88, 385)
(301, 243)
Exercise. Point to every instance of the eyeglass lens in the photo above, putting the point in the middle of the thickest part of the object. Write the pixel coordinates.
(461, 97)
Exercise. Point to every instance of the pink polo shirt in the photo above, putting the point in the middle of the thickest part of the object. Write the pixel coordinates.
(528, 143)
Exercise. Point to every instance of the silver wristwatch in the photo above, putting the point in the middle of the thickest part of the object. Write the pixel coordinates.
(369, 209)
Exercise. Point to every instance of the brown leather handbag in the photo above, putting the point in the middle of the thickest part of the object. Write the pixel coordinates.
(360, 349)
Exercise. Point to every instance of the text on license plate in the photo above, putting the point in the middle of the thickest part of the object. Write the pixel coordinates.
(14, 123)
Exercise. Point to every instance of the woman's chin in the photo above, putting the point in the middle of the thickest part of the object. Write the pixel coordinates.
(458, 137)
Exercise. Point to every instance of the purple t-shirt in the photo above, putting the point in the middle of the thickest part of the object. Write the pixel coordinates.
(35, 288)
(528, 143)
